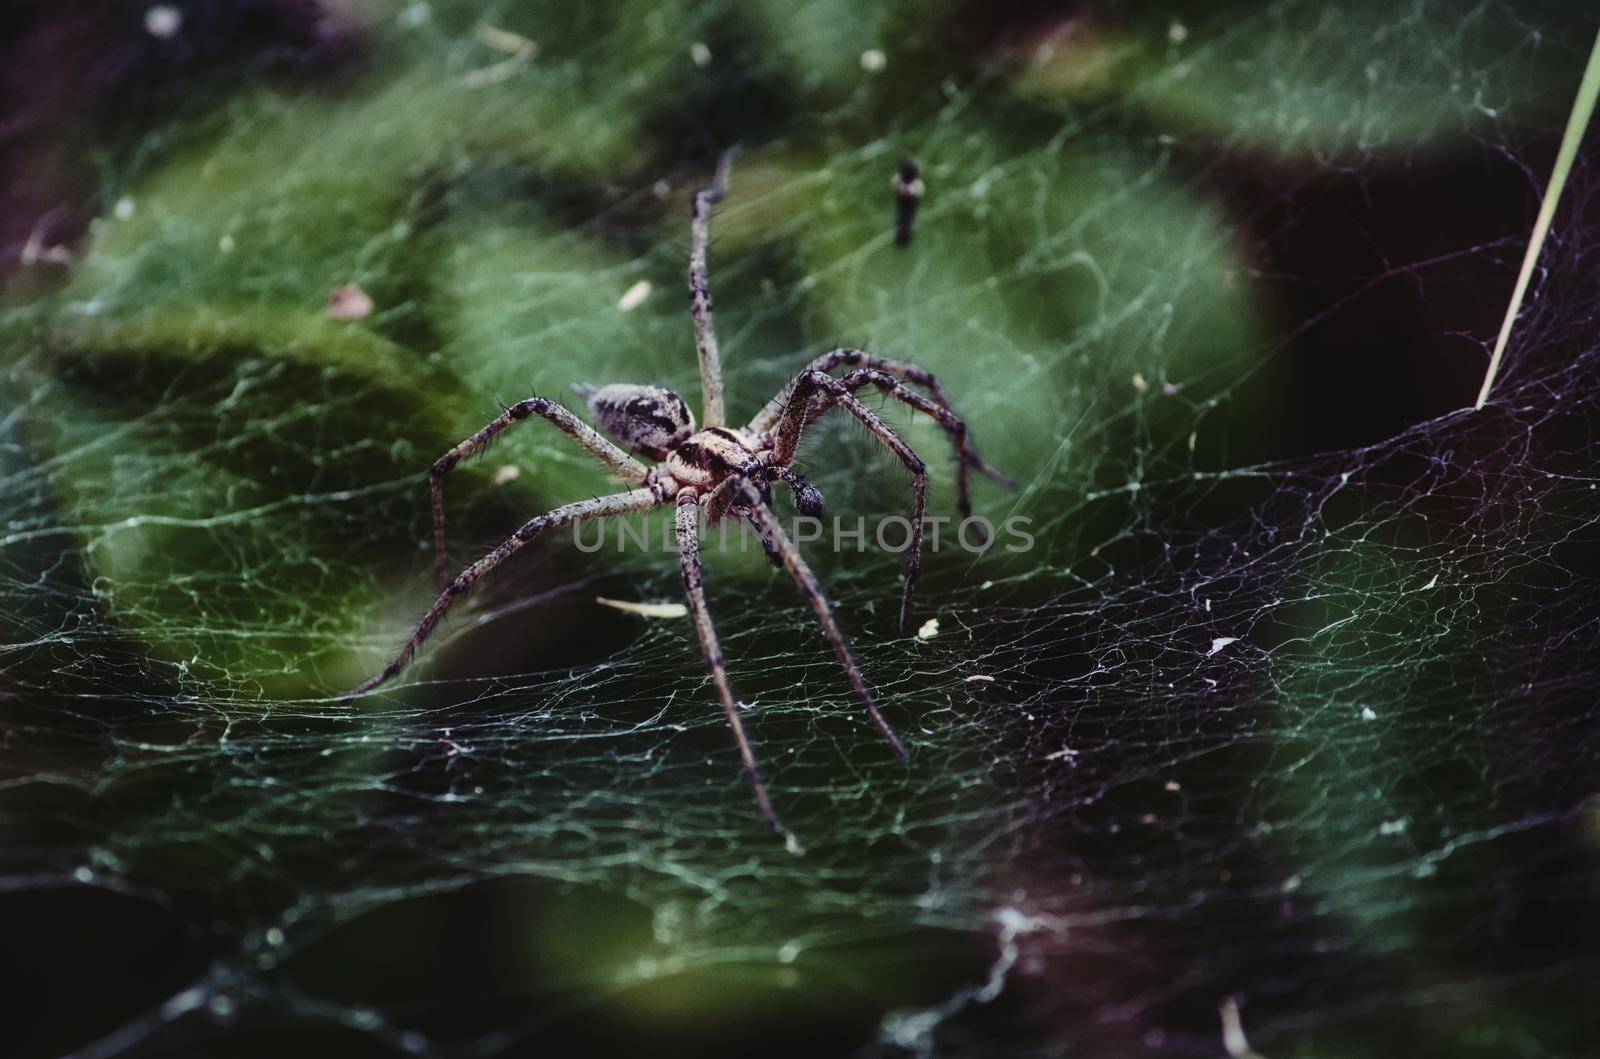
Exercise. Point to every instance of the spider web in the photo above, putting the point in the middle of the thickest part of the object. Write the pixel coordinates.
(1291, 705)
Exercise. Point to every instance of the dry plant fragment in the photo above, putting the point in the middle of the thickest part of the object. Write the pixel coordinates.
(646, 610)
(1233, 1038)
(634, 296)
(349, 302)
(520, 49)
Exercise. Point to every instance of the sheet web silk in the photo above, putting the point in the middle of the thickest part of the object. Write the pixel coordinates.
(1317, 731)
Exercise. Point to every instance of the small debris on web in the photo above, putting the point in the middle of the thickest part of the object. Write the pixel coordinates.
(349, 302)
(908, 191)
(506, 474)
(1233, 1038)
(980, 677)
(634, 296)
(36, 249)
(520, 49)
(163, 21)
(502, 39)
(645, 610)
(1219, 643)
(873, 60)
(929, 630)
(700, 55)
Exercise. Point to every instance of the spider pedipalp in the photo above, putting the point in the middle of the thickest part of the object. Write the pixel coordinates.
(807, 497)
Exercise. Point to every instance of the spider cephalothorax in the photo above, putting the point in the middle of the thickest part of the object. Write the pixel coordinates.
(716, 471)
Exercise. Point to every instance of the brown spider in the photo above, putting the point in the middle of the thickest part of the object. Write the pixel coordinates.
(717, 468)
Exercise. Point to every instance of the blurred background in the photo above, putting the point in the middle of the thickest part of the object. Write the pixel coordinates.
(1284, 728)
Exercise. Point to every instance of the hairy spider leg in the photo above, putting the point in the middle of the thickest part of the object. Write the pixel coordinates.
(767, 525)
(887, 385)
(688, 526)
(954, 425)
(705, 332)
(802, 411)
(592, 441)
(616, 504)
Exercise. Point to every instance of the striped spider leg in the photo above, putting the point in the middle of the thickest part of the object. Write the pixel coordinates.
(616, 504)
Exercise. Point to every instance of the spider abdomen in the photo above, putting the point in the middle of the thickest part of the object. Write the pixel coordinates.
(648, 419)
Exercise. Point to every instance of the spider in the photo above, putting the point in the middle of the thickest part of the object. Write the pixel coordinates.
(716, 471)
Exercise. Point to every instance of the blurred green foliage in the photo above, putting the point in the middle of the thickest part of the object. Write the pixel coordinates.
(244, 475)
(496, 205)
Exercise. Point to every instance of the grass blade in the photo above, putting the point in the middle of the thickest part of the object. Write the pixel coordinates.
(1577, 122)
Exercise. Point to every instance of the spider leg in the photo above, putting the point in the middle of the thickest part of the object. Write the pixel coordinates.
(899, 369)
(767, 525)
(803, 410)
(890, 387)
(688, 527)
(590, 439)
(705, 331)
(616, 504)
